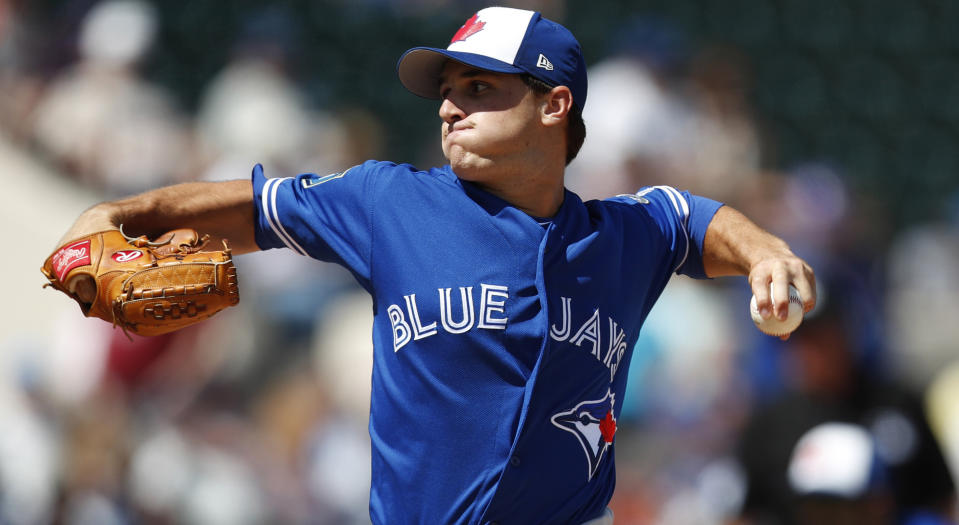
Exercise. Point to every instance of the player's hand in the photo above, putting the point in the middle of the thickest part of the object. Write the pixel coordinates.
(782, 270)
(92, 220)
(734, 245)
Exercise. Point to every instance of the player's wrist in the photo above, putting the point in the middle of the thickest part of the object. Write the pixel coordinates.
(95, 219)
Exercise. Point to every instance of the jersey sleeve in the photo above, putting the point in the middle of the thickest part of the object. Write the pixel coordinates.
(683, 219)
(328, 218)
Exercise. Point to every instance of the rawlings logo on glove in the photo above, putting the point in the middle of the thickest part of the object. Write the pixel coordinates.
(148, 288)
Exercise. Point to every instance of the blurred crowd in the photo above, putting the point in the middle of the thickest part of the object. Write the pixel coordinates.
(259, 415)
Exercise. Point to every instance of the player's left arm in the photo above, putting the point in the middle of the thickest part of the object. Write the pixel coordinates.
(735, 245)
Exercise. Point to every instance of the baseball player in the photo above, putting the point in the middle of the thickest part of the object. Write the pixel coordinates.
(506, 308)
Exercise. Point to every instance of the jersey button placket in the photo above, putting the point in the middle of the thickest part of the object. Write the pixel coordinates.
(514, 461)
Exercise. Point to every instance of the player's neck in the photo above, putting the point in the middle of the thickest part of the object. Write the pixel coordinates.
(530, 179)
(533, 190)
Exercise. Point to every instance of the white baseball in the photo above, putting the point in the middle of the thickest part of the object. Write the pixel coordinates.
(773, 326)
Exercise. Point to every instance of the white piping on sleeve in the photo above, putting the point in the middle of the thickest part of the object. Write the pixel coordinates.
(268, 202)
(682, 210)
(679, 203)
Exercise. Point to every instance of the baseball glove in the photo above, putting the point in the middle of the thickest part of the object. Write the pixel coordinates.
(145, 287)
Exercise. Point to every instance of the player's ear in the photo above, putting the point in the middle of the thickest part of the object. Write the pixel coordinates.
(556, 105)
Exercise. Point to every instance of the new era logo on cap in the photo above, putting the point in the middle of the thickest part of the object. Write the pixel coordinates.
(502, 40)
(544, 63)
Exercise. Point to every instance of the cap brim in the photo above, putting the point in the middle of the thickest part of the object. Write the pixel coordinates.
(419, 68)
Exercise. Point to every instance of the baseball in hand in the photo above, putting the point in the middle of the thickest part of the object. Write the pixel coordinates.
(773, 325)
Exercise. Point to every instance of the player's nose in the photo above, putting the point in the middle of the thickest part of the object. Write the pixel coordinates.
(450, 112)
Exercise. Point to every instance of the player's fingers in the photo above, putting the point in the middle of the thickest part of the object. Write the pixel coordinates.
(780, 293)
(84, 287)
(807, 292)
(805, 284)
(759, 282)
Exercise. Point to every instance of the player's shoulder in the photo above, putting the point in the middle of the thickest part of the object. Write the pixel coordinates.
(380, 168)
(373, 174)
(392, 167)
(649, 200)
(402, 171)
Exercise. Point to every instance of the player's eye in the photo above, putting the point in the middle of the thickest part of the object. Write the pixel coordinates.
(477, 87)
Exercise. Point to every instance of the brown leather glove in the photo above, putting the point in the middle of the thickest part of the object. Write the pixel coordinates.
(145, 287)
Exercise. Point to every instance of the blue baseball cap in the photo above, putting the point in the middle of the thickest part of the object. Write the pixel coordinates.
(502, 40)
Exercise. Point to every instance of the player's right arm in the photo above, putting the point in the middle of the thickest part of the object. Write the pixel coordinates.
(224, 210)
(734, 245)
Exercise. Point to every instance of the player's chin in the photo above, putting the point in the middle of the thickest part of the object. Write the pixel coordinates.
(463, 170)
(468, 167)
(461, 160)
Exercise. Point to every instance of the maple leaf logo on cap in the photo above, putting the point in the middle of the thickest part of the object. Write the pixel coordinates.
(470, 28)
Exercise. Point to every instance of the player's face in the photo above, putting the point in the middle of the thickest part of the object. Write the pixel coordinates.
(488, 120)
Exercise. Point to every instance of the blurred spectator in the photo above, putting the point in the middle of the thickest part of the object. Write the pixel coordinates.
(95, 449)
(658, 117)
(684, 401)
(829, 382)
(944, 412)
(552, 9)
(724, 152)
(100, 120)
(252, 111)
(668, 382)
(339, 455)
(838, 477)
(635, 111)
(29, 452)
(810, 205)
(923, 266)
(19, 86)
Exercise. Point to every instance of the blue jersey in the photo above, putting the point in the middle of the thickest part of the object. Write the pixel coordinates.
(501, 342)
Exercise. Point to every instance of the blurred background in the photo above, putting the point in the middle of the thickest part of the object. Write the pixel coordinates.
(833, 123)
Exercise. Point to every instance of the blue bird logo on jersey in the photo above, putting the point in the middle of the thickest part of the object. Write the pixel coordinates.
(594, 425)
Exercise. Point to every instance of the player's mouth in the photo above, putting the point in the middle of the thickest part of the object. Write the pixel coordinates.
(451, 130)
